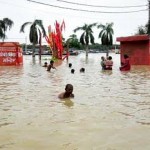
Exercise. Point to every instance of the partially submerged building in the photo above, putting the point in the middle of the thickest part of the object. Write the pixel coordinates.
(137, 48)
(10, 54)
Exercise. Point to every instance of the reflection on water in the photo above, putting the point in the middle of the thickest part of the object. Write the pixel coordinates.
(110, 111)
(68, 103)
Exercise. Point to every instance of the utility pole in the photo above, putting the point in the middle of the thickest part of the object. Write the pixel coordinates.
(148, 31)
(25, 44)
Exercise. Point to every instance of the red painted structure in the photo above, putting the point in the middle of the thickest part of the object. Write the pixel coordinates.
(137, 48)
(10, 54)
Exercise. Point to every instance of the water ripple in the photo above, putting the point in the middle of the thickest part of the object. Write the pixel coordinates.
(107, 104)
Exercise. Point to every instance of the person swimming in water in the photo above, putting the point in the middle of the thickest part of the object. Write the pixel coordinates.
(51, 65)
(70, 65)
(82, 70)
(45, 65)
(68, 92)
(72, 71)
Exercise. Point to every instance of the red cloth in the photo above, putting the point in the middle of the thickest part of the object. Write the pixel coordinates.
(108, 64)
(126, 65)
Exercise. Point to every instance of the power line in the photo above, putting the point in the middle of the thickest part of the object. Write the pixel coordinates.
(100, 5)
(84, 10)
(48, 11)
(15, 38)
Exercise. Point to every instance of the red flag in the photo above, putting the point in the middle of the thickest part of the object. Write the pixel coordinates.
(63, 25)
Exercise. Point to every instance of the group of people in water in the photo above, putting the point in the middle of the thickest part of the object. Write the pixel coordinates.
(69, 87)
(50, 66)
(82, 70)
(106, 64)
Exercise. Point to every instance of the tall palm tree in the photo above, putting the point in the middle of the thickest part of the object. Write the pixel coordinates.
(106, 34)
(36, 31)
(87, 35)
(5, 24)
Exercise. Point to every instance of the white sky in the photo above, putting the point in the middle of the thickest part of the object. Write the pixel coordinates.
(21, 11)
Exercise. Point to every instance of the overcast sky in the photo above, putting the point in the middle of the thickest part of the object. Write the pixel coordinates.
(125, 24)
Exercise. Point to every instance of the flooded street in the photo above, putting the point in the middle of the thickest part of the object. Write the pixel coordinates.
(110, 111)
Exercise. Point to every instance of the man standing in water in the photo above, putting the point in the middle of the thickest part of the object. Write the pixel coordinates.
(103, 65)
(68, 92)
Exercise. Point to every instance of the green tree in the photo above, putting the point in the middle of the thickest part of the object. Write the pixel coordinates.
(142, 30)
(87, 35)
(35, 33)
(106, 34)
(72, 41)
(5, 24)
